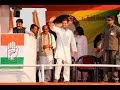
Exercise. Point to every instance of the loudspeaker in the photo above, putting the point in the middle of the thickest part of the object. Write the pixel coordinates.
(16, 13)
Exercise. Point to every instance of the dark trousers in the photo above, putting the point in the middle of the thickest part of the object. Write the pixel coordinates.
(109, 58)
(53, 71)
(37, 76)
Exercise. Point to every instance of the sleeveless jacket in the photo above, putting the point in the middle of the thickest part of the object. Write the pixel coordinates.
(15, 30)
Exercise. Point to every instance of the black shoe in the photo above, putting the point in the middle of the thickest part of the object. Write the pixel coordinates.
(79, 80)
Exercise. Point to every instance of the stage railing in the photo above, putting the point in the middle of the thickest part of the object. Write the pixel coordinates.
(46, 65)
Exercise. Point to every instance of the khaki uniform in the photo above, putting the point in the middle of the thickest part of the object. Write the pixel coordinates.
(110, 47)
(110, 36)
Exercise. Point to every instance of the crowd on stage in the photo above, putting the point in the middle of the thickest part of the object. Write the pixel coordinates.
(58, 44)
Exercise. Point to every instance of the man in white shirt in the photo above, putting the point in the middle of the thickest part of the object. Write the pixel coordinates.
(34, 29)
(65, 42)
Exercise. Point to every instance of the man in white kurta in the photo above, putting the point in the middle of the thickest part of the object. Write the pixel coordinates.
(65, 42)
(46, 44)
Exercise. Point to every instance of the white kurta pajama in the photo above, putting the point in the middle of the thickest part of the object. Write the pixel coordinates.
(65, 39)
(46, 55)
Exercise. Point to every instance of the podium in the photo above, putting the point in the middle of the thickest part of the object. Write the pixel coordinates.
(17, 49)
